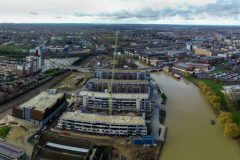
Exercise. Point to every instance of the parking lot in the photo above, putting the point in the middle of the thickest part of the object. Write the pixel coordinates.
(226, 76)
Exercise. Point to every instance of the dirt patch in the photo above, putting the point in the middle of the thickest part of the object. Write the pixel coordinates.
(73, 81)
(122, 148)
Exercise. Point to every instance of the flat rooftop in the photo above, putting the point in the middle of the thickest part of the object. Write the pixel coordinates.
(42, 101)
(105, 119)
(99, 80)
(10, 151)
(114, 95)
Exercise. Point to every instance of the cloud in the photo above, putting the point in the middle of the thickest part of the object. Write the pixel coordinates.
(34, 13)
(219, 9)
(222, 8)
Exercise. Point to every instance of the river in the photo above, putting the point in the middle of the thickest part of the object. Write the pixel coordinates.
(190, 136)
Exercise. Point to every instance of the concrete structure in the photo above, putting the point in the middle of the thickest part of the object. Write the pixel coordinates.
(119, 86)
(11, 152)
(122, 74)
(103, 124)
(120, 101)
(42, 108)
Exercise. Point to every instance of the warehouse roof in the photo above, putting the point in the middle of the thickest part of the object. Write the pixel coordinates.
(98, 80)
(44, 100)
(114, 95)
(105, 119)
(10, 151)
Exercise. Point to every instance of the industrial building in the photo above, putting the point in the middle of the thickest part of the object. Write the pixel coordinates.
(11, 152)
(42, 108)
(139, 102)
(119, 86)
(103, 124)
(122, 74)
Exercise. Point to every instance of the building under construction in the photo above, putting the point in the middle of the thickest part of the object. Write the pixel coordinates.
(131, 102)
(122, 74)
(119, 86)
(103, 124)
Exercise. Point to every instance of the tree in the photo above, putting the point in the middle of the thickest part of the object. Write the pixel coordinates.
(209, 93)
(223, 118)
(205, 89)
(216, 106)
(231, 130)
(200, 84)
(213, 99)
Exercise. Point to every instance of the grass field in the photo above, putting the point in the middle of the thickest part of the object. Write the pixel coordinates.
(52, 72)
(216, 87)
(14, 49)
(4, 131)
(236, 117)
(73, 81)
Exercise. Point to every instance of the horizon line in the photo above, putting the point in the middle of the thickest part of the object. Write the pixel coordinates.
(106, 23)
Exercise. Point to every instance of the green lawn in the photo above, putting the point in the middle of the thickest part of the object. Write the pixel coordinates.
(236, 117)
(4, 131)
(14, 48)
(52, 72)
(216, 87)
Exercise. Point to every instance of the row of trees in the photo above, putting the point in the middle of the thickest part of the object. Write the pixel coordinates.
(225, 119)
(214, 100)
(230, 129)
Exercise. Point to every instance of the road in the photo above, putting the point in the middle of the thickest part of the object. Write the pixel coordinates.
(6, 108)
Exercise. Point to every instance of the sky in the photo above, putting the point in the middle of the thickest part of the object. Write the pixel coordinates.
(205, 12)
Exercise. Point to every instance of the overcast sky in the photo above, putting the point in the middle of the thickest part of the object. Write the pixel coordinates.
(226, 12)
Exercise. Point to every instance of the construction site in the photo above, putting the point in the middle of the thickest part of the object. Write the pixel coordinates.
(115, 108)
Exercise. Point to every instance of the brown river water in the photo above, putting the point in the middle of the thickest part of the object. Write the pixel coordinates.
(190, 136)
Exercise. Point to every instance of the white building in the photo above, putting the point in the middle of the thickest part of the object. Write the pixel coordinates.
(103, 124)
(138, 102)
